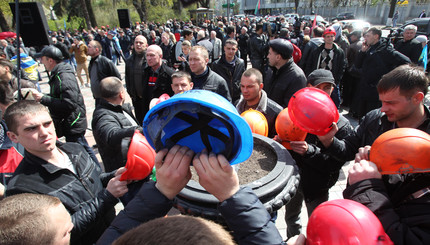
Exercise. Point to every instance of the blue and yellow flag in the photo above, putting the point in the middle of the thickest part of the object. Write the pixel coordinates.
(423, 58)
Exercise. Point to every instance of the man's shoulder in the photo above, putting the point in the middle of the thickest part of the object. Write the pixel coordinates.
(168, 70)
(271, 104)
(291, 68)
(215, 77)
(105, 107)
(239, 61)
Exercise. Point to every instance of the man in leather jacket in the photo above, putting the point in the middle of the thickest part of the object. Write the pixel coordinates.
(258, 47)
(63, 170)
(134, 67)
(65, 100)
(318, 171)
(230, 67)
(285, 77)
(113, 120)
(403, 214)
(100, 67)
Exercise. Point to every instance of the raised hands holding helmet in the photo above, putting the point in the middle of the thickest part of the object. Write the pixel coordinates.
(318, 171)
(399, 198)
(243, 212)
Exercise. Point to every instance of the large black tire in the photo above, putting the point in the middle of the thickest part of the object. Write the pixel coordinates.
(274, 190)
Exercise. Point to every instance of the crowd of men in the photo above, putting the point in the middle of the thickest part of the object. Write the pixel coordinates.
(380, 82)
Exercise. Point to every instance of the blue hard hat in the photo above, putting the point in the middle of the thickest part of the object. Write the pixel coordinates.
(199, 119)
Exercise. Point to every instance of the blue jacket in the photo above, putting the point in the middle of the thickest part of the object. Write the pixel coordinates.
(243, 212)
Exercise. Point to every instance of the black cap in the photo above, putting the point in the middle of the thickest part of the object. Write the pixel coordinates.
(51, 52)
(282, 47)
(321, 76)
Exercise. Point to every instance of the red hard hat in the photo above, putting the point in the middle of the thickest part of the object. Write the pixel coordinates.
(401, 150)
(158, 100)
(162, 98)
(257, 122)
(345, 222)
(329, 30)
(286, 129)
(313, 111)
(140, 158)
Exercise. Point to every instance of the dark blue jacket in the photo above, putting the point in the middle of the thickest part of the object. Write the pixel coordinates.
(243, 212)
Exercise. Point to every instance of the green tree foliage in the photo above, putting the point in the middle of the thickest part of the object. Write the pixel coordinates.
(101, 12)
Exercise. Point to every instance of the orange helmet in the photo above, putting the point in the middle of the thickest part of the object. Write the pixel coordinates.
(401, 150)
(257, 121)
(286, 129)
(140, 158)
(345, 222)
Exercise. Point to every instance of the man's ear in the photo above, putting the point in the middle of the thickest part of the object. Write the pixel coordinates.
(418, 97)
(191, 85)
(12, 136)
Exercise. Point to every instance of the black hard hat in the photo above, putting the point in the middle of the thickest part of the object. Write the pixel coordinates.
(51, 52)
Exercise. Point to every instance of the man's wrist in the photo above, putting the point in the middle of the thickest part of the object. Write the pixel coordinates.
(226, 196)
(165, 192)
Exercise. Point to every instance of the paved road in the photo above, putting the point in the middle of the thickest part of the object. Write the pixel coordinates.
(335, 191)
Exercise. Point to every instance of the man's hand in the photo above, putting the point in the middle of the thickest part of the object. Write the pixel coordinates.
(36, 95)
(327, 139)
(174, 172)
(297, 240)
(300, 147)
(216, 175)
(116, 187)
(364, 46)
(277, 139)
(363, 153)
(363, 170)
(2, 189)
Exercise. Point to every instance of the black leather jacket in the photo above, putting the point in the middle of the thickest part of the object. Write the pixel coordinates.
(110, 126)
(281, 84)
(233, 79)
(105, 68)
(258, 46)
(129, 75)
(65, 102)
(406, 220)
(320, 171)
(412, 49)
(90, 205)
(211, 81)
(377, 61)
(372, 125)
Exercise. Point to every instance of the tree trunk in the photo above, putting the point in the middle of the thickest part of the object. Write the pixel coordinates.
(139, 10)
(91, 13)
(144, 10)
(392, 8)
(86, 15)
(3, 23)
(204, 3)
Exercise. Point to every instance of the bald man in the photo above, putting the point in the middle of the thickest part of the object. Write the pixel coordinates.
(156, 78)
(134, 67)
